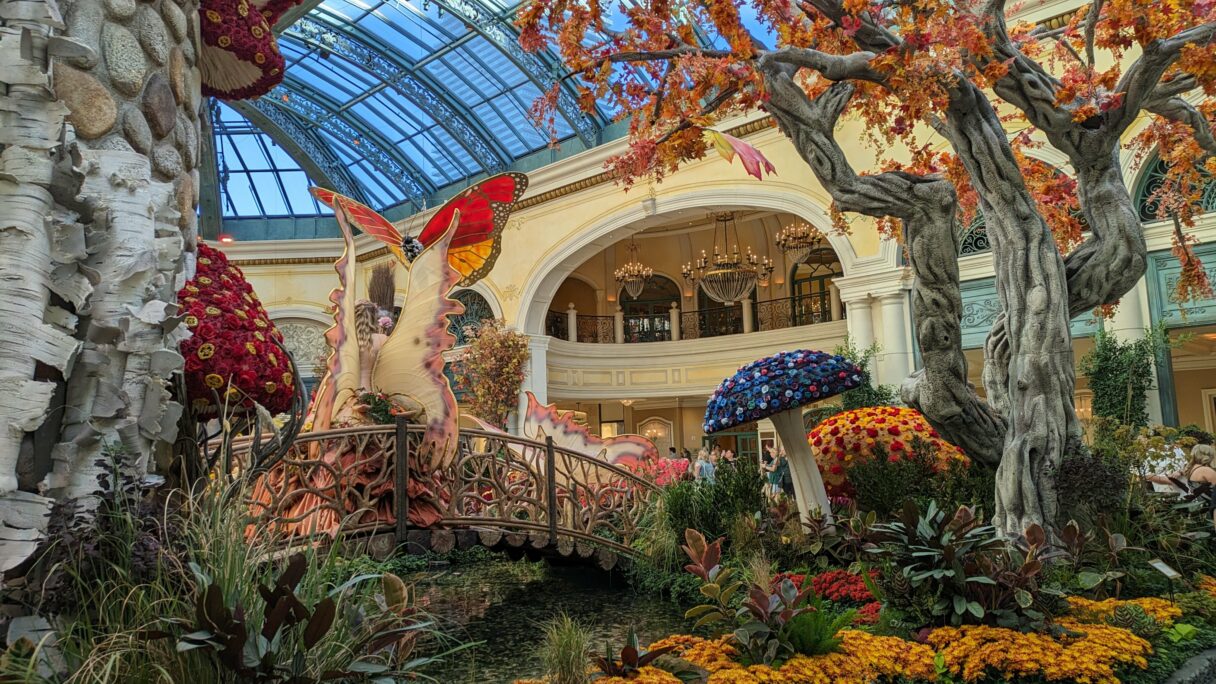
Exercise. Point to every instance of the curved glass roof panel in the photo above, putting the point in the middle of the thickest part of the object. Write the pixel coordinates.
(401, 102)
(257, 177)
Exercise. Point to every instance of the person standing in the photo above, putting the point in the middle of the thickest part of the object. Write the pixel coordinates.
(706, 465)
(698, 466)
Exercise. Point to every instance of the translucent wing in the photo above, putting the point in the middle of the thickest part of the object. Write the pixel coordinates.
(364, 218)
(546, 420)
(342, 377)
(409, 367)
(483, 210)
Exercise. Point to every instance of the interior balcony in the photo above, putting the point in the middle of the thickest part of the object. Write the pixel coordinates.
(673, 335)
(594, 306)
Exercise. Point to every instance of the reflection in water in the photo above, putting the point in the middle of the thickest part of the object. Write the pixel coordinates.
(504, 604)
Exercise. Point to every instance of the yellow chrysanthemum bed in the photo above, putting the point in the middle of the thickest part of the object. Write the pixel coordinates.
(1159, 609)
(1088, 652)
(970, 652)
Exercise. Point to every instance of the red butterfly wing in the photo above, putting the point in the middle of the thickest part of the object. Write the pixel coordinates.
(484, 209)
(324, 196)
(368, 221)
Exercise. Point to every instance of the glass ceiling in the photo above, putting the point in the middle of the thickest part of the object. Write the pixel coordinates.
(390, 101)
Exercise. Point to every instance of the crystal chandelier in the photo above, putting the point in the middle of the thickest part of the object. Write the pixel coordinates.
(798, 240)
(633, 276)
(728, 276)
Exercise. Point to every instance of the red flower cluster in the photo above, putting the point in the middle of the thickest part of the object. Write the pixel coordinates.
(841, 586)
(245, 60)
(663, 471)
(850, 437)
(232, 353)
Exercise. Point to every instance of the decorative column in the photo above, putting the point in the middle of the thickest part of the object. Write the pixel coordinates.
(1130, 323)
(536, 380)
(571, 323)
(861, 325)
(674, 314)
(895, 359)
(834, 295)
(618, 324)
(749, 323)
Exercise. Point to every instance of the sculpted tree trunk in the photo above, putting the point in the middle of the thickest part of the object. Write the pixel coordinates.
(927, 207)
(97, 217)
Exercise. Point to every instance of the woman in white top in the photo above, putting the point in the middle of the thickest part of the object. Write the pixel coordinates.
(1200, 468)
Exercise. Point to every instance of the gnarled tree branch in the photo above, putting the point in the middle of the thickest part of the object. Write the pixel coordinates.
(927, 206)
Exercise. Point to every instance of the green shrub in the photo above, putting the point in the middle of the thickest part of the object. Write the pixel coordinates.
(816, 632)
(566, 650)
(738, 489)
(1197, 605)
(883, 486)
(1120, 374)
(1090, 486)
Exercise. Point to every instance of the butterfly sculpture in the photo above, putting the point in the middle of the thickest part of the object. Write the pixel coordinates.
(546, 420)
(483, 210)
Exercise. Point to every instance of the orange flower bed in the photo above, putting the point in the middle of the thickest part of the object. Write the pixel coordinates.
(850, 437)
(1161, 610)
(972, 652)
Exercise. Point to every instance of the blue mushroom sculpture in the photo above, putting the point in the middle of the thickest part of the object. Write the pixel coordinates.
(777, 387)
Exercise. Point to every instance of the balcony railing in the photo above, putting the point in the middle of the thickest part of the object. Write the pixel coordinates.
(772, 314)
(599, 329)
(648, 328)
(713, 322)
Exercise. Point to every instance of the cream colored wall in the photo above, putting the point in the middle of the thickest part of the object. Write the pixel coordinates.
(1188, 391)
(667, 252)
(580, 294)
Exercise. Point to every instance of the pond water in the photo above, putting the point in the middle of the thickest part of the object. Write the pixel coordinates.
(505, 604)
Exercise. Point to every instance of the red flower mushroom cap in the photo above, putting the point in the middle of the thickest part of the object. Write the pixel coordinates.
(233, 351)
(239, 57)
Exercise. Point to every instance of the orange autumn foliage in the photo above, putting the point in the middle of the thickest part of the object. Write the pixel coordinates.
(673, 70)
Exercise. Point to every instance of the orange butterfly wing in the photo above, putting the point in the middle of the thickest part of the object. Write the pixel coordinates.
(484, 210)
(364, 218)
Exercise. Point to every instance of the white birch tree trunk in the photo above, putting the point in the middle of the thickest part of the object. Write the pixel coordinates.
(99, 128)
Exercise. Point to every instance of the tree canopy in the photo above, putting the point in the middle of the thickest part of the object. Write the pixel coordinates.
(676, 69)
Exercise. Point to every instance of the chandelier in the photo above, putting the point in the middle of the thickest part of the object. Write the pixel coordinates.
(728, 276)
(798, 240)
(633, 276)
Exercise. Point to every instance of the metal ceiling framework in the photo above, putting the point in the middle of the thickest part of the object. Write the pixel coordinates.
(390, 101)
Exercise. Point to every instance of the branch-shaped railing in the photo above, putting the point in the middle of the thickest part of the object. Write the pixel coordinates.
(360, 480)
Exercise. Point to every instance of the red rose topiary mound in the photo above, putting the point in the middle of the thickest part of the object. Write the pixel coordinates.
(233, 353)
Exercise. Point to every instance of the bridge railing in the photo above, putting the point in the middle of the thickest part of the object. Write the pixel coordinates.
(367, 479)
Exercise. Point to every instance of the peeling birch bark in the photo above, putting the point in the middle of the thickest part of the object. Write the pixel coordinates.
(32, 126)
(118, 395)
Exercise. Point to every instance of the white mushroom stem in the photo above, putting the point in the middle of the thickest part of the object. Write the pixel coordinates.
(812, 496)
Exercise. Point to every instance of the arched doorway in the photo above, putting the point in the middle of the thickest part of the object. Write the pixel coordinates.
(648, 318)
(811, 287)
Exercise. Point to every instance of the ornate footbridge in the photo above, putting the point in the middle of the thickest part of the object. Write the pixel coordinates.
(500, 491)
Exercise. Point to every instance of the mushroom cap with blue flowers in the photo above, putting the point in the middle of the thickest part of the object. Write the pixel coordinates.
(777, 383)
